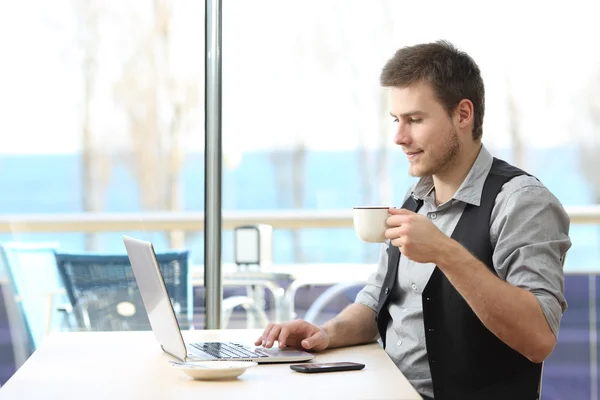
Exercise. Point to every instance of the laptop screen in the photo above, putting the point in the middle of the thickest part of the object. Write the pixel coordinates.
(155, 297)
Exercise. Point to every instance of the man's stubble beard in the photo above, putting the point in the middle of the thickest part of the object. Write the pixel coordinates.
(447, 160)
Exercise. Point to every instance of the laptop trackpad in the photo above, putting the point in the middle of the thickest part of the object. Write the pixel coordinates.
(276, 352)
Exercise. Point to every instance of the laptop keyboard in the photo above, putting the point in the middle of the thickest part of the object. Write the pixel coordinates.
(226, 350)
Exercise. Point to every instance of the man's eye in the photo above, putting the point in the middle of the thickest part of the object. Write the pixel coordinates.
(415, 120)
(395, 119)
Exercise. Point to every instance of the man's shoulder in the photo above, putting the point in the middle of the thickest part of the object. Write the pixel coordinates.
(519, 178)
(523, 182)
(524, 199)
(525, 190)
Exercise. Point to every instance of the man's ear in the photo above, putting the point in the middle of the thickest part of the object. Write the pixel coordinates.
(465, 113)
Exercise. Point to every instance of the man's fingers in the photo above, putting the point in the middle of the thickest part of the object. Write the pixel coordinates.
(316, 341)
(262, 339)
(297, 329)
(393, 233)
(400, 211)
(273, 335)
(398, 220)
(285, 332)
(397, 242)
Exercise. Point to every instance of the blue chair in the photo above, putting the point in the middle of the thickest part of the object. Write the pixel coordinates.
(104, 294)
(35, 295)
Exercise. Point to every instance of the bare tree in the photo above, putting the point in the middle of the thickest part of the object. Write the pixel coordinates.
(514, 127)
(381, 170)
(360, 63)
(157, 106)
(182, 98)
(309, 47)
(95, 170)
(590, 146)
(332, 54)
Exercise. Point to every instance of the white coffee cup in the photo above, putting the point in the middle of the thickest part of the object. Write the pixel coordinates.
(370, 223)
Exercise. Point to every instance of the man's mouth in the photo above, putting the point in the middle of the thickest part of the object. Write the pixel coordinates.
(413, 155)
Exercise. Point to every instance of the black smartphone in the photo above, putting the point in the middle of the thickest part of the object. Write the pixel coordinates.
(327, 367)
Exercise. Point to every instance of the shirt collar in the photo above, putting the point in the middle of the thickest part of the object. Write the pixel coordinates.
(471, 188)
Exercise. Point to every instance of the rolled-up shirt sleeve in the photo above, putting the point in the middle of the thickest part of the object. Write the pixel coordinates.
(369, 295)
(530, 234)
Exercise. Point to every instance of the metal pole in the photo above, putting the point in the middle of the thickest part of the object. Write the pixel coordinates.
(212, 165)
(593, 338)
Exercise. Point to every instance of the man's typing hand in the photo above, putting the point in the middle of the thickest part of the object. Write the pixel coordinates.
(298, 334)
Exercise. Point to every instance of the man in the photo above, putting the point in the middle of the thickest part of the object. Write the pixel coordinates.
(468, 295)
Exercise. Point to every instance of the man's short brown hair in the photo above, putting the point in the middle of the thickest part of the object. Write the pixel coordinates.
(452, 74)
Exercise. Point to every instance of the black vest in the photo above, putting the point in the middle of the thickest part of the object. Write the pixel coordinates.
(467, 361)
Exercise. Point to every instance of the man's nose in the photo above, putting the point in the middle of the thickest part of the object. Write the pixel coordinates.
(402, 136)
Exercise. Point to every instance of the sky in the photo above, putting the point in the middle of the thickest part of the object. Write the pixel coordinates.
(298, 71)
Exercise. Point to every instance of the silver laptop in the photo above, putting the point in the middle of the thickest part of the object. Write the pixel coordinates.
(166, 328)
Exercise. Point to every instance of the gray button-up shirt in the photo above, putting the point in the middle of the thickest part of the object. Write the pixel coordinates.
(529, 233)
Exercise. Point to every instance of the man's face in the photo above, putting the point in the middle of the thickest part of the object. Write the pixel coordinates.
(424, 130)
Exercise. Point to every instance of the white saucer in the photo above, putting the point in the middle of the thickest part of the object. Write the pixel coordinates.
(215, 370)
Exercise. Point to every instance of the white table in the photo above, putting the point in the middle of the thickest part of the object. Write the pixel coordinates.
(131, 365)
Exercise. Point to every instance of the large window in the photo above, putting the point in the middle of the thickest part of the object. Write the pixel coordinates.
(102, 127)
(103, 111)
(307, 127)
(102, 121)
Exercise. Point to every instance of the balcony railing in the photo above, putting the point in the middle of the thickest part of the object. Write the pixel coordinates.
(194, 221)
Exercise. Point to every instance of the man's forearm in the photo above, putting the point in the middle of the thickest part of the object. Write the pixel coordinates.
(513, 314)
(354, 325)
